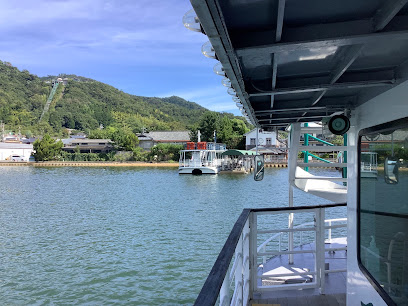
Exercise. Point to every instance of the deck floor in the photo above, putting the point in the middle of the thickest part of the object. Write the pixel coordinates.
(335, 283)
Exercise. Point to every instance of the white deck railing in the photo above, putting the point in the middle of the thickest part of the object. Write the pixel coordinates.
(235, 275)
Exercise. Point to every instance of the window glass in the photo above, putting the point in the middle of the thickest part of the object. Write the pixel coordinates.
(252, 141)
(383, 210)
(268, 141)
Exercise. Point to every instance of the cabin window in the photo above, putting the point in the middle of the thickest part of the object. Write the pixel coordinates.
(268, 141)
(383, 209)
(252, 141)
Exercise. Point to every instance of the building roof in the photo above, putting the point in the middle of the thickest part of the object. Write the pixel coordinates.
(263, 132)
(169, 136)
(91, 140)
(143, 137)
(73, 141)
(10, 145)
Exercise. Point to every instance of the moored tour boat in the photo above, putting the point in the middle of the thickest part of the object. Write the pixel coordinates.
(201, 158)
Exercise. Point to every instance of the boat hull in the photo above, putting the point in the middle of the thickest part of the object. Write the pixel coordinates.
(198, 170)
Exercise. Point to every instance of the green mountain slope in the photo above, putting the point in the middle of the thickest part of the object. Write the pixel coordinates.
(84, 104)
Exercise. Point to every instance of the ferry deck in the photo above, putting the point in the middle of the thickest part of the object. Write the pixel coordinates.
(345, 64)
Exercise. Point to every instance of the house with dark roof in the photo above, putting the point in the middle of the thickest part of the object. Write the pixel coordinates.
(148, 140)
(87, 145)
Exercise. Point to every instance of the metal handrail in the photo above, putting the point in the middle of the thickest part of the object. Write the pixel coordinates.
(299, 228)
(211, 288)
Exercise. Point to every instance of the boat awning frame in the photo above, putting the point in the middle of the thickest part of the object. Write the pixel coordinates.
(302, 61)
(238, 153)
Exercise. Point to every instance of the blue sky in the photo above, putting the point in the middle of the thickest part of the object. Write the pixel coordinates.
(138, 46)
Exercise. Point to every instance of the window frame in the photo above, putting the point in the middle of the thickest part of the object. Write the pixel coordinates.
(395, 124)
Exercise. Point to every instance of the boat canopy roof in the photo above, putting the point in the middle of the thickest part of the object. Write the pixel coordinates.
(301, 61)
(237, 153)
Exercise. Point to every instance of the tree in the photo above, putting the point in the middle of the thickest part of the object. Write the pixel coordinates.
(47, 148)
(208, 123)
(124, 139)
(164, 152)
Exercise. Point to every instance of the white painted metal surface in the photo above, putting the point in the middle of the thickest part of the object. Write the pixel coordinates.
(321, 186)
(199, 162)
(244, 269)
(238, 276)
(386, 107)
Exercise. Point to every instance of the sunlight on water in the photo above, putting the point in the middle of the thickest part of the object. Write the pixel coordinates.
(126, 236)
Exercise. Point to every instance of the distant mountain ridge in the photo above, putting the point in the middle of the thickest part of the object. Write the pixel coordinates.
(85, 104)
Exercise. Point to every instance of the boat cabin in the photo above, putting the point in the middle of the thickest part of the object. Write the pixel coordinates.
(344, 64)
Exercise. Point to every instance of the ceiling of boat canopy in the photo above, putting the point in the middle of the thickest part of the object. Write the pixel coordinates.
(300, 61)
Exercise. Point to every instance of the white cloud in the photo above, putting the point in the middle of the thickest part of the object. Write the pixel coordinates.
(141, 40)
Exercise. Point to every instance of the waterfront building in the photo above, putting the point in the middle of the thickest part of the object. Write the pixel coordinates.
(267, 139)
(87, 145)
(13, 149)
(150, 139)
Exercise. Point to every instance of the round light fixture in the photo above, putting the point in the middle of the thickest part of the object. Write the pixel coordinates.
(339, 124)
(191, 21)
(208, 50)
(219, 70)
(226, 82)
(231, 91)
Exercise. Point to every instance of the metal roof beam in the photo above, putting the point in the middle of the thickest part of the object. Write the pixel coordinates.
(347, 58)
(309, 41)
(295, 90)
(279, 20)
(309, 109)
(380, 20)
(348, 76)
(274, 74)
(386, 13)
(292, 118)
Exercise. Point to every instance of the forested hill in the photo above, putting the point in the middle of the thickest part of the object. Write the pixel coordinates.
(85, 104)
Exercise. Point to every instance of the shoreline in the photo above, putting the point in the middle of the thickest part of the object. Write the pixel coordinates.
(88, 164)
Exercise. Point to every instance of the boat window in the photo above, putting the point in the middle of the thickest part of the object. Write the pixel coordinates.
(383, 209)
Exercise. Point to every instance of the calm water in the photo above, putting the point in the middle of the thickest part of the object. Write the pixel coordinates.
(120, 236)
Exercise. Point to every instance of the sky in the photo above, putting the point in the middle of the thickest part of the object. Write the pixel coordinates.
(138, 46)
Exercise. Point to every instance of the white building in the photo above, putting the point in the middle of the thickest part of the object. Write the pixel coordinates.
(9, 149)
(265, 139)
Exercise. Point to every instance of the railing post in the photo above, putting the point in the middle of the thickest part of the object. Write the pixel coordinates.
(253, 253)
(330, 232)
(238, 271)
(264, 257)
(320, 249)
(290, 257)
(280, 241)
(224, 291)
(245, 264)
(290, 238)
